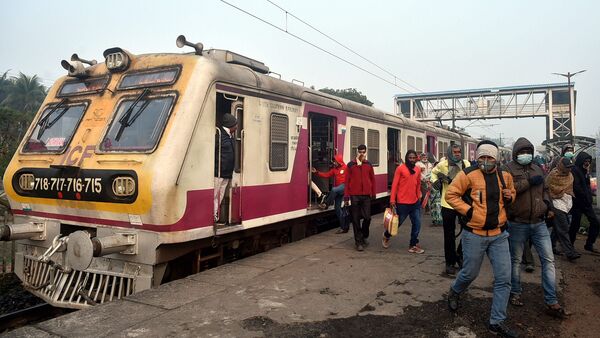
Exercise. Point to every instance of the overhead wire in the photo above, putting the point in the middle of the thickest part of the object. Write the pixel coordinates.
(315, 46)
(341, 44)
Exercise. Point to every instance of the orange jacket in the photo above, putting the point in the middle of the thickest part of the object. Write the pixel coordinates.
(489, 213)
(406, 188)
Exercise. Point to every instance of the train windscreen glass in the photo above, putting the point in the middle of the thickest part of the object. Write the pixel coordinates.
(138, 124)
(82, 87)
(55, 128)
(149, 79)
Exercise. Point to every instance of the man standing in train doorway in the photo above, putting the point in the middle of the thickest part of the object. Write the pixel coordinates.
(360, 189)
(224, 159)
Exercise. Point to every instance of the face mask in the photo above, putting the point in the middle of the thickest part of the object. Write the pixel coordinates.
(487, 167)
(569, 154)
(455, 159)
(524, 159)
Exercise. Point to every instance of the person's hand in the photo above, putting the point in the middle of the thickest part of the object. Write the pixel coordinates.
(550, 214)
(535, 180)
(313, 170)
(506, 193)
(346, 203)
(393, 205)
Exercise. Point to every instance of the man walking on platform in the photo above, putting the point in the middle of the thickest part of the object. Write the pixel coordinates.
(441, 177)
(360, 189)
(582, 204)
(405, 200)
(526, 220)
(488, 190)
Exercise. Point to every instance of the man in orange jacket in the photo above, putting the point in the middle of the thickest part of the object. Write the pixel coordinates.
(405, 200)
(481, 193)
(337, 193)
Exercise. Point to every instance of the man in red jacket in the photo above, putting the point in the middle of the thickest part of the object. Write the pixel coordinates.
(337, 193)
(360, 189)
(406, 193)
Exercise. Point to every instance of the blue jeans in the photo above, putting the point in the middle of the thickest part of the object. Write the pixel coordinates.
(540, 238)
(337, 195)
(496, 248)
(414, 212)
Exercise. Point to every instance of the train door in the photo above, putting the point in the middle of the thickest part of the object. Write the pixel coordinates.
(230, 208)
(394, 155)
(431, 145)
(321, 149)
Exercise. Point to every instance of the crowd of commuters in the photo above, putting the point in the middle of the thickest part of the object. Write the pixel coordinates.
(503, 210)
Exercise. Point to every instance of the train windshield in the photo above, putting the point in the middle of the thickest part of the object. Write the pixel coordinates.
(138, 124)
(56, 127)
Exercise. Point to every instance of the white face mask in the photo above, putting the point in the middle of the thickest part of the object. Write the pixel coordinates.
(524, 159)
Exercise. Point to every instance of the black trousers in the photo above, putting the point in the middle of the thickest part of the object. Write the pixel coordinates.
(449, 221)
(594, 228)
(361, 208)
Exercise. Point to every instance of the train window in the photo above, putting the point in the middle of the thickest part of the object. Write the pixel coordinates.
(419, 146)
(151, 78)
(278, 152)
(410, 143)
(138, 124)
(82, 87)
(54, 130)
(373, 147)
(357, 137)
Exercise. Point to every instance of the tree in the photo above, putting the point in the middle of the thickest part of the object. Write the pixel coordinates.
(5, 85)
(25, 94)
(13, 125)
(348, 93)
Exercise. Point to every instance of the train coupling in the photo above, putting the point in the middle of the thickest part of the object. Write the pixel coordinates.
(83, 248)
(29, 230)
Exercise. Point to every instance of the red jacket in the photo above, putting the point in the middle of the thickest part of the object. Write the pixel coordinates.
(406, 188)
(360, 179)
(339, 172)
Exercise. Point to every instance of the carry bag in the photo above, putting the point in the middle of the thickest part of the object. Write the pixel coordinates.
(390, 221)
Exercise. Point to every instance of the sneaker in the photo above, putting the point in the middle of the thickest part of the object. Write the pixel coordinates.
(453, 299)
(322, 199)
(385, 242)
(557, 311)
(574, 257)
(416, 249)
(323, 206)
(515, 300)
(502, 330)
(450, 270)
(360, 247)
(529, 268)
(341, 231)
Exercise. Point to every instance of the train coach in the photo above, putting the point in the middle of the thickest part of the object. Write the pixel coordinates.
(112, 185)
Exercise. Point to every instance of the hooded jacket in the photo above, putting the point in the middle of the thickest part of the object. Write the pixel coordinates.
(225, 144)
(581, 182)
(563, 150)
(406, 187)
(360, 180)
(531, 203)
(339, 173)
(450, 169)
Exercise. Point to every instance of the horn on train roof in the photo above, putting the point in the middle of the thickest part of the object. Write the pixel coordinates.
(181, 41)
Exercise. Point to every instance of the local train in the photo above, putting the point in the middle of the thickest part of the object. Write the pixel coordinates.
(112, 185)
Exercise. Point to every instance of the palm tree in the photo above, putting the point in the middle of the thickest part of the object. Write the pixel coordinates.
(26, 93)
(5, 84)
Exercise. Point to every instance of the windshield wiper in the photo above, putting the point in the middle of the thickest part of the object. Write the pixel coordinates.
(44, 124)
(126, 120)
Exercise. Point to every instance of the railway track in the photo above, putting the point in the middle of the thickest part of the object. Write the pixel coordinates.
(32, 314)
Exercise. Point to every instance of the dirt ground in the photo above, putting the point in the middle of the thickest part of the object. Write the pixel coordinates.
(580, 294)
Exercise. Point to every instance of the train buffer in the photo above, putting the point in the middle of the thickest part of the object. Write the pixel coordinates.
(319, 278)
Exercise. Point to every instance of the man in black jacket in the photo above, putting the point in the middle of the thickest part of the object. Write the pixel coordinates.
(224, 159)
(582, 203)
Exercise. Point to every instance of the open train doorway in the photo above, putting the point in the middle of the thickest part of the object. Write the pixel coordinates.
(322, 148)
(394, 154)
(229, 150)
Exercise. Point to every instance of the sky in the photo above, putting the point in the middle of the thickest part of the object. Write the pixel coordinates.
(433, 45)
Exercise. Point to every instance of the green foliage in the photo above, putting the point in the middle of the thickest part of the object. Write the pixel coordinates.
(20, 98)
(348, 93)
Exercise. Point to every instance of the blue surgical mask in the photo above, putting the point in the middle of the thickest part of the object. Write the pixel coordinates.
(524, 159)
(569, 154)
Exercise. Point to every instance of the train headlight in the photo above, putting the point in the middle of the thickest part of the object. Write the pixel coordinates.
(123, 186)
(116, 59)
(26, 181)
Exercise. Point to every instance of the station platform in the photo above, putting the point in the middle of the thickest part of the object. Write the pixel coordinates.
(319, 278)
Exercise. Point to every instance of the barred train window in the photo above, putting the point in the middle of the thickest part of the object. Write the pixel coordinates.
(410, 143)
(373, 146)
(357, 137)
(419, 146)
(278, 152)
